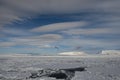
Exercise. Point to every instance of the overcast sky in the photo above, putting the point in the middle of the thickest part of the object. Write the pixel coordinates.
(52, 26)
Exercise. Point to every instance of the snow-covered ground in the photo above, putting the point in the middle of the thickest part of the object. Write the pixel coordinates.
(98, 68)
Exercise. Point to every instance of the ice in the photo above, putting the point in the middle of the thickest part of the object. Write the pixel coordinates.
(98, 68)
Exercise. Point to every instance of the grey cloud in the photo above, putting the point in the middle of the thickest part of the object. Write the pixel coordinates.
(17, 32)
(2, 35)
(65, 6)
(59, 26)
(7, 44)
(92, 31)
(42, 41)
(12, 10)
(92, 43)
(7, 16)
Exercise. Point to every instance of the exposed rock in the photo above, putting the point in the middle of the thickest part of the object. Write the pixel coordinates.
(66, 74)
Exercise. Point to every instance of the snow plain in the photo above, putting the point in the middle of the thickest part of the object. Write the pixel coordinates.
(98, 67)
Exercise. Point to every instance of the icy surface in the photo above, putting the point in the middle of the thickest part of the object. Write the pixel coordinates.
(98, 68)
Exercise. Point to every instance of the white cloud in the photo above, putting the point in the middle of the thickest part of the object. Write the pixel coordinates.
(59, 26)
(49, 36)
(91, 31)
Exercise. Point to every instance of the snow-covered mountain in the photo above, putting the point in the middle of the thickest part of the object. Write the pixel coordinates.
(73, 54)
(110, 52)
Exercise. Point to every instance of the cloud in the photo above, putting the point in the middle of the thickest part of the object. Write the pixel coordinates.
(18, 32)
(7, 44)
(8, 15)
(49, 36)
(83, 17)
(14, 55)
(86, 43)
(89, 45)
(42, 41)
(2, 35)
(14, 10)
(59, 26)
(92, 31)
(65, 6)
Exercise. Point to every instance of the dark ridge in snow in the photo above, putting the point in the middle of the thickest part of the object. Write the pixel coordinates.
(66, 74)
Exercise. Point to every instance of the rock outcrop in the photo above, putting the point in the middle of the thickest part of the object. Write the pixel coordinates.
(66, 74)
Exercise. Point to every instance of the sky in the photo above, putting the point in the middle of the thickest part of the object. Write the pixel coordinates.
(49, 27)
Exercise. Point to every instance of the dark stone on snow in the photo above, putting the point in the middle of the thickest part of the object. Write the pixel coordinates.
(58, 75)
(66, 74)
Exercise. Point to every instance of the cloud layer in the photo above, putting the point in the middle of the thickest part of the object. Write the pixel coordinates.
(59, 25)
(12, 10)
(42, 41)
(91, 31)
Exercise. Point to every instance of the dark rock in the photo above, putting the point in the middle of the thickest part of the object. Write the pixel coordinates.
(58, 75)
(66, 74)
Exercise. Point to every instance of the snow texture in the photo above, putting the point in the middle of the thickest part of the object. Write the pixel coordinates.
(97, 68)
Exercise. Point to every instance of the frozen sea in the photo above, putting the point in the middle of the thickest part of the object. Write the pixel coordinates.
(98, 68)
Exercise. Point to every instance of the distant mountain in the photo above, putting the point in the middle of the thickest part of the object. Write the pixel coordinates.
(73, 54)
(111, 52)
